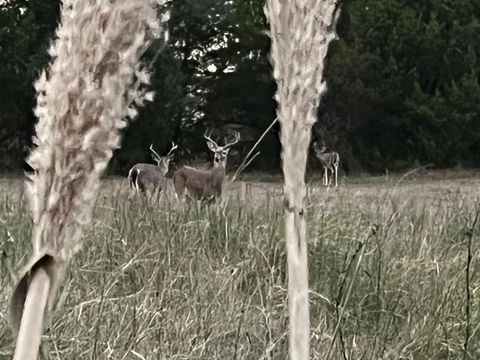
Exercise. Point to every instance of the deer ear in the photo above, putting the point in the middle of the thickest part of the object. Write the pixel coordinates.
(155, 157)
(211, 146)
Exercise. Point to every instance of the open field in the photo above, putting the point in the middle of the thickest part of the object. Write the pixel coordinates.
(388, 259)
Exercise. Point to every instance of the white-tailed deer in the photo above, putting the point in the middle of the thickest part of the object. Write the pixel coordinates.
(204, 185)
(330, 161)
(149, 177)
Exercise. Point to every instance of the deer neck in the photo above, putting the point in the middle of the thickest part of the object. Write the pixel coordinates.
(160, 171)
(323, 156)
(218, 173)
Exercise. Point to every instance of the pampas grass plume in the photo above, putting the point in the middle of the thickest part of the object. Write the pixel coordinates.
(83, 100)
(301, 31)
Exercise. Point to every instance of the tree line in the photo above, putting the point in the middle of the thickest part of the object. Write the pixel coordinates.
(403, 80)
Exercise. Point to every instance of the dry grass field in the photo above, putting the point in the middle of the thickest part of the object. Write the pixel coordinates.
(388, 261)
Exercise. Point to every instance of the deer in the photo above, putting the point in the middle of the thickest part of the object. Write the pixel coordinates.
(204, 185)
(330, 161)
(143, 177)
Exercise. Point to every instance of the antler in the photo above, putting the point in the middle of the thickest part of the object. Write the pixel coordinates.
(173, 148)
(209, 138)
(151, 149)
(237, 138)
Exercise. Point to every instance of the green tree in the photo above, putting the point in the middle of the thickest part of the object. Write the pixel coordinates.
(403, 82)
(222, 47)
(396, 59)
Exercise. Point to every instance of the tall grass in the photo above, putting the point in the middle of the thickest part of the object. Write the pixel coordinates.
(168, 281)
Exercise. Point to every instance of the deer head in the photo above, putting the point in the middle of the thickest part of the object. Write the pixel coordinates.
(163, 161)
(220, 152)
(319, 148)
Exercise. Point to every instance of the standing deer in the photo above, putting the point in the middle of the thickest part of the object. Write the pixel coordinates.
(151, 177)
(330, 161)
(204, 185)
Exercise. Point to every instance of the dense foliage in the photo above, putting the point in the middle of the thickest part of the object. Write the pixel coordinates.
(403, 82)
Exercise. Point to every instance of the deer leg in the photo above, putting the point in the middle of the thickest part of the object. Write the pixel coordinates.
(179, 185)
(140, 186)
(132, 174)
(157, 191)
(336, 175)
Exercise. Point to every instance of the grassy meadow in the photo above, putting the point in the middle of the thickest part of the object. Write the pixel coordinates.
(388, 260)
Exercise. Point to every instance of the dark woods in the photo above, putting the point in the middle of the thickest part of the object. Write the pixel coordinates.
(403, 83)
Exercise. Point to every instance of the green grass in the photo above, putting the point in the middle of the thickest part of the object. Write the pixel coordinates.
(189, 282)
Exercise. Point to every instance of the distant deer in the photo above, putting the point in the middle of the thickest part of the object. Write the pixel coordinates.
(151, 177)
(330, 161)
(204, 185)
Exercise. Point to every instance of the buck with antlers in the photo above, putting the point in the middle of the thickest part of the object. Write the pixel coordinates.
(330, 161)
(204, 185)
(149, 177)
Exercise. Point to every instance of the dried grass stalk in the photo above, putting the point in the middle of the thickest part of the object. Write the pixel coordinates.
(301, 31)
(84, 100)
